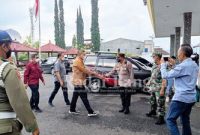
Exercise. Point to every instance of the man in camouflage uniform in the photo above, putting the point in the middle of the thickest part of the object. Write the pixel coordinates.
(157, 89)
(14, 103)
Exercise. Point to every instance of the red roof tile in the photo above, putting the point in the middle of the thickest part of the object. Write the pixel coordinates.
(18, 47)
(51, 48)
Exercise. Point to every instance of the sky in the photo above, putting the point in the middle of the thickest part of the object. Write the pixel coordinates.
(117, 19)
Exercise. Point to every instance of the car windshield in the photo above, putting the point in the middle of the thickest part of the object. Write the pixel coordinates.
(51, 60)
(90, 60)
(106, 62)
(142, 65)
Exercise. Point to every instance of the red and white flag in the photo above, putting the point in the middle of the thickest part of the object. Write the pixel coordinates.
(36, 8)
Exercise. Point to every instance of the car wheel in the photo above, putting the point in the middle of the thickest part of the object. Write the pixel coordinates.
(95, 85)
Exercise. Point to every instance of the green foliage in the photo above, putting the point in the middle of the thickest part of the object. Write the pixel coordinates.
(74, 42)
(80, 29)
(59, 24)
(28, 42)
(23, 56)
(95, 33)
(56, 25)
(62, 25)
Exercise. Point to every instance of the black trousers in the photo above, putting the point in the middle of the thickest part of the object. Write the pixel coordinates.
(125, 96)
(80, 91)
(35, 97)
(55, 91)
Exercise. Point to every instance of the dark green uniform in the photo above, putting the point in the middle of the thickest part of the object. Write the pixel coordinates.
(155, 84)
(156, 100)
(14, 100)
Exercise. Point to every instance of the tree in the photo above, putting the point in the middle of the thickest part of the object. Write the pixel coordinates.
(28, 42)
(56, 25)
(80, 29)
(62, 25)
(31, 12)
(95, 34)
(74, 42)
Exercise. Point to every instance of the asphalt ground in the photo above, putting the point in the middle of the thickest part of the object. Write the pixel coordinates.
(57, 120)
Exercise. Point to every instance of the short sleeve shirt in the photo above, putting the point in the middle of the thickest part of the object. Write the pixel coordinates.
(59, 66)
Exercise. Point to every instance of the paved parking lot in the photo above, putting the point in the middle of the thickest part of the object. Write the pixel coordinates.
(57, 121)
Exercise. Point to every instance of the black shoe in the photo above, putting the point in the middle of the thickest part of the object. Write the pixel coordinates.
(32, 107)
(160, 121)
(127, 111)
(122, 110)
(151, 113)
(38, 110)
(50, 104)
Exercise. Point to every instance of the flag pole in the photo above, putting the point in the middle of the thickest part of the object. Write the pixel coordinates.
(39, 30)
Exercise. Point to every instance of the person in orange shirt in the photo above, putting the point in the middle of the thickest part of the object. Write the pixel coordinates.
(79, 76)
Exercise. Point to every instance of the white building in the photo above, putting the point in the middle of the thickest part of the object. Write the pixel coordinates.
(130, 47)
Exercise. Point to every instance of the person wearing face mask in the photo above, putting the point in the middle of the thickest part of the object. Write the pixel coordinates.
(14, 103)
(79, 75)
(32, 75)
(60, 80)
(185, 75)
(125, 72)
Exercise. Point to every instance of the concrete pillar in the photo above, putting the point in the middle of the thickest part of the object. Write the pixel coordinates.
(177, 41)
(172, 44)
(187, 27)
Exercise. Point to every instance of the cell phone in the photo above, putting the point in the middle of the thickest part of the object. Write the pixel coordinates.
(166, 58)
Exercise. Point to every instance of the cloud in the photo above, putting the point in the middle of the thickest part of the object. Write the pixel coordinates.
(117, 18)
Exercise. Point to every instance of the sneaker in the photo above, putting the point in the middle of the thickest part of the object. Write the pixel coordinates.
(38, 110)
(50, 104)
(92, 114)
(74, 112)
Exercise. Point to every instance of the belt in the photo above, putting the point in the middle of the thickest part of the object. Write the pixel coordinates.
(7, 115)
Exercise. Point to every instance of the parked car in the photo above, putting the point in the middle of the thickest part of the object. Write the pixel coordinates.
(104, 63)
(47, 65)
(70, 60)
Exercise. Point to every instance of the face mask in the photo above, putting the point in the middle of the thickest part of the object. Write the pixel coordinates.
(8, 53)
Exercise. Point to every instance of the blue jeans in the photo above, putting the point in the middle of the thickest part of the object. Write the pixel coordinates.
(183, 110)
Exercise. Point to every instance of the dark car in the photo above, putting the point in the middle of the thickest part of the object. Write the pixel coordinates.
(47, 65)
(104, 63)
